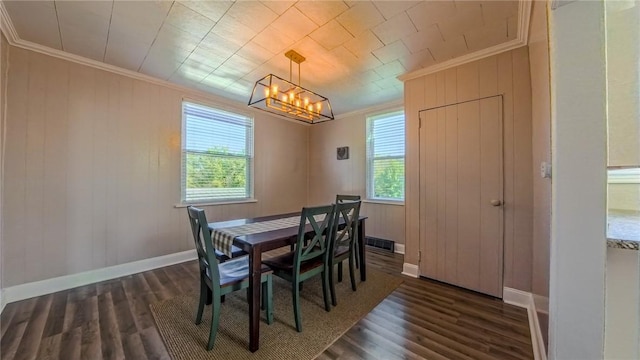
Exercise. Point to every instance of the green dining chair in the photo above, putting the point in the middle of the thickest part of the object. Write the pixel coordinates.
(340, 198)
(309, 258)
(343, 243)
(218, 279)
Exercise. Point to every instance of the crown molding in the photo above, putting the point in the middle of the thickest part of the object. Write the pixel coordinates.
(6, 25)
(559, 3)
(522, 39)
(370, 109)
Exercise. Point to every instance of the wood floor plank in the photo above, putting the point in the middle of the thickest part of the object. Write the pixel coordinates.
(370, 345)
(133, 348)
(13, 337)
(112, 320)
(410, 345)
(344, 350)
(122, 309)
(91, 344)
(6, 317)
(153, 345)
(85, 311)
(30, 342)
(50, 348)
(139, 300)
(71, 344)
(11, 341)
(110, 341)
(416, 336)
(55, 320)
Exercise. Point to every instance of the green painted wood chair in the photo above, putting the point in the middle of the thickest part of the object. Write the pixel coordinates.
(343, 243)
(340, 198)
(218, 279)
(343, 198)
(308, 258)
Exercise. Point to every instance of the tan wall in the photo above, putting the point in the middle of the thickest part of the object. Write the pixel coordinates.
(623, 197)
(4, 58)
(93, 169)
(507, 74)
(329, 176)
(541, 136)
(623, 79)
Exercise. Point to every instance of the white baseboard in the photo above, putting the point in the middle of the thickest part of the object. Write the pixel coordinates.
(516, 297)
(410, 270)
(398, 248)
(541, 303)
(524, 299)
(48, 286)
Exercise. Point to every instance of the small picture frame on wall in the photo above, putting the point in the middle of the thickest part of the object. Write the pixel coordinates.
(342, 153)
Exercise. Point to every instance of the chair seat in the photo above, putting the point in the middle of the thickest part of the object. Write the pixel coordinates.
(341, 251)
(235, 252)
(236, 270)
(285, 262)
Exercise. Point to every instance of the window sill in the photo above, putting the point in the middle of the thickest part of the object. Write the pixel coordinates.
(383, 202)
(214, 203)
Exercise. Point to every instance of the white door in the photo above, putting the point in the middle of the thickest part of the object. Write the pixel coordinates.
(461, 194)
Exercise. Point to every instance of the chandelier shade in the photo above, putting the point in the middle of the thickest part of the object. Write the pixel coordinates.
(285, 98)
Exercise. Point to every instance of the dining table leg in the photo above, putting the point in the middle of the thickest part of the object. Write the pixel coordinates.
(361, 251)
(255, 265)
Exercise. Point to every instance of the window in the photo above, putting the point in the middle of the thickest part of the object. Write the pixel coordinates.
(217, 155)
(385, 156)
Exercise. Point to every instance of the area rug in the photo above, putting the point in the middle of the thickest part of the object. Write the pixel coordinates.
(185, 340)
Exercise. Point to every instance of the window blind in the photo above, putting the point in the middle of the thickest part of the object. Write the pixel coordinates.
(385, 156)
(217, 155)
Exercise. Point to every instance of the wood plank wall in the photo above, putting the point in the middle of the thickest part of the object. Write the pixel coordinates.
(329, 176)
(507, 74)
(541, 147)
(4, 61)
(92, 169)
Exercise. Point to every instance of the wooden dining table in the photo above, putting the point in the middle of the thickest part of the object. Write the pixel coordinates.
(258, 243)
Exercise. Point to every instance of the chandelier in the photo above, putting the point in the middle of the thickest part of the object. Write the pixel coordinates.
(279, 96)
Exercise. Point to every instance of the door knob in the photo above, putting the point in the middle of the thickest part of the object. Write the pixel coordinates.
(496, 202)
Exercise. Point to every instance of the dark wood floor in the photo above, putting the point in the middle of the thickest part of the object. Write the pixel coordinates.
(421, 319)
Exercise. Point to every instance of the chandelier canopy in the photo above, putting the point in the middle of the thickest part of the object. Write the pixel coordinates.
(281, 97)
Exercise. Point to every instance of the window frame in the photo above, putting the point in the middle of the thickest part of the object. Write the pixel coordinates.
(370, 159)
(249, 149)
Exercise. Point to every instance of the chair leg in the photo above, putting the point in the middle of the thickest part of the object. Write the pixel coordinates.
(340, 271)
(215, 321)
(267, 296)
(296, 305)
(209, 294)
(332, 286)
(352, 271)
(325, 290)
(204, 295)
(357, 257)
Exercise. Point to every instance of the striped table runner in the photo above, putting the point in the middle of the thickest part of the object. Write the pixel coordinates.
(222, 238)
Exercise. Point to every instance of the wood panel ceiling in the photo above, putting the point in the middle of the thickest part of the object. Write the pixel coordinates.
(355, 49)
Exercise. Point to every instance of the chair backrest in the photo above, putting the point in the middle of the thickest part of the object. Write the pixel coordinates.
(320, 219)
(204, 246)
(342, 198)
(345, 225)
